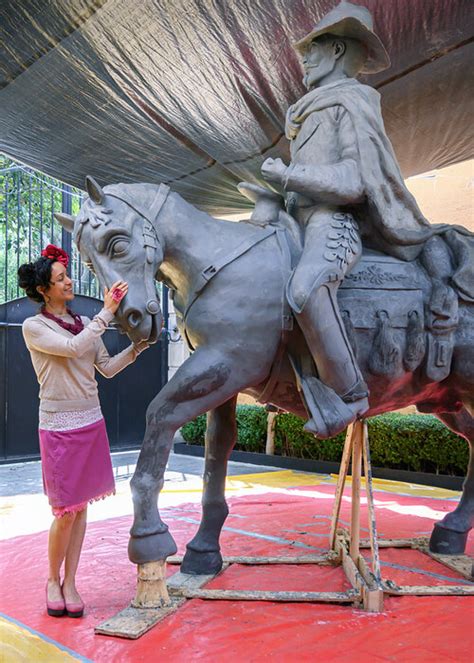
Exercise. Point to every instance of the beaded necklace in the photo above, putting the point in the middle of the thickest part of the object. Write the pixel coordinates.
(74, 328)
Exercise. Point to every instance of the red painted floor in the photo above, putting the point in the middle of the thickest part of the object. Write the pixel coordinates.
(411, 629)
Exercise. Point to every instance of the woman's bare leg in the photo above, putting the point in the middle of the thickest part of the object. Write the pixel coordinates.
(58, 542)
(73, 554)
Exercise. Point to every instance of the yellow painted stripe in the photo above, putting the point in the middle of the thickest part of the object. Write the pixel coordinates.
(292, 479)
(19, 645)
(414, 489)
(283, 479)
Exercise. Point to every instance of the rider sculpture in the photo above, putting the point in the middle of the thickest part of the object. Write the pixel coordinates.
(345, 188)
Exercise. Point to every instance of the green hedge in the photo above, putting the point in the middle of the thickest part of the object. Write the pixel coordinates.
(419, 443)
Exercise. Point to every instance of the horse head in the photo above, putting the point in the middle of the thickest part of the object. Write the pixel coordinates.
(116, 239)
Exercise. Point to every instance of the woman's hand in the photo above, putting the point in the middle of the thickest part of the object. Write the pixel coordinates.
(114, 295)
(140, 346)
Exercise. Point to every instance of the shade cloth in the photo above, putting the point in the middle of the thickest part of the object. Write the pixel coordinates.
(193, 93)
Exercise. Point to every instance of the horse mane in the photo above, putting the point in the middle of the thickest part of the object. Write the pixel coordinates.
(98, 214)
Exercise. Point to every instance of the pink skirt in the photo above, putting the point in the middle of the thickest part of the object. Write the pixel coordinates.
(76, 466)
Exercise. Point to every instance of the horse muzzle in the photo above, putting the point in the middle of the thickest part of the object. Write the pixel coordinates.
(142, 325)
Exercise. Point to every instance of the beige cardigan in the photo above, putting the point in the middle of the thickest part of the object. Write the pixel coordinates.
(65, 364)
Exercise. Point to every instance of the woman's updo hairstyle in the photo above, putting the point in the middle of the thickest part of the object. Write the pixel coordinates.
(34, 274)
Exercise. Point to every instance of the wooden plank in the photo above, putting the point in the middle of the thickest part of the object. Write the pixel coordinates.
(414, 542)
(372, 593)
(355, 502)
(361, 578)
(367, 573)
(270, 442)
(462, 564)
(352, 572)
(372, 600)
(132, 622)
(328, 558)
(348, 565)
(341, 481)
(179, 580)
(259, 595)
(151, 586)
(426, 590)
(370, 504)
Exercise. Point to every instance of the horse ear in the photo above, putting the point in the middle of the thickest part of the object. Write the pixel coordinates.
(94, 190)
(66, 220)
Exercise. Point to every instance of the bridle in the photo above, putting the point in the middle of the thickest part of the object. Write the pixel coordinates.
(151, 242)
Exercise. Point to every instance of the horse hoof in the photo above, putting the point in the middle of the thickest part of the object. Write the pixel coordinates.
(151, 548)
(447, 541)
(197, 563)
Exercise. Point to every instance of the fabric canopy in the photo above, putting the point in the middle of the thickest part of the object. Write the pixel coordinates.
(194, 92)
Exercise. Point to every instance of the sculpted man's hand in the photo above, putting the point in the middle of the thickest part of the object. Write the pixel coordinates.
(273, 170)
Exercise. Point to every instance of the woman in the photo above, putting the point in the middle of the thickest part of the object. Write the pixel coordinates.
(65, 350)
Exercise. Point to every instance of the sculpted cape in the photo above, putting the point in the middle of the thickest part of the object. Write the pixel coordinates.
(389, 217)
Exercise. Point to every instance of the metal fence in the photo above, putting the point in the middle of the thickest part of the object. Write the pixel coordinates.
(27, 224)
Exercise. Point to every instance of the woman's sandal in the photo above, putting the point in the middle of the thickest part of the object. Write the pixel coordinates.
(55, 608)
(74, 609)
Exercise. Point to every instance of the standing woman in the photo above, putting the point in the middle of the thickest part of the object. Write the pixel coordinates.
(65, 349)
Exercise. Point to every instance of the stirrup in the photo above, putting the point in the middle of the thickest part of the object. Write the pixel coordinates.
(359, 391)
(329, 414)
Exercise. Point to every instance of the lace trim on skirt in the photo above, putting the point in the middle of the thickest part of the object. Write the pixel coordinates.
(62, 421)
(60, 511)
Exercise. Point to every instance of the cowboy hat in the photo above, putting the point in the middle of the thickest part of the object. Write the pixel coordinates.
(354, 21)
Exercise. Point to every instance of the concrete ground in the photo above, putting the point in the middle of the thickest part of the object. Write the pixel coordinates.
(24, 508)
(25, 478)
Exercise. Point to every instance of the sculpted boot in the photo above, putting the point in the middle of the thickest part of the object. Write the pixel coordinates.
(339, 394)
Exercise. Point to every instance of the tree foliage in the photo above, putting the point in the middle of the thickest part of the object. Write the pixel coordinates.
(27, 224)
(420, 443)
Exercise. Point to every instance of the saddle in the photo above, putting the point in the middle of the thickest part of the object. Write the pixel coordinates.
(408, 306)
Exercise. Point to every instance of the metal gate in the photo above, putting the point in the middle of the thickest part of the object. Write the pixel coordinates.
(26, 225)
(124, 398)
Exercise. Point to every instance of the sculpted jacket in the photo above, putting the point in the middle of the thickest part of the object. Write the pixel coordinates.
(341, 155)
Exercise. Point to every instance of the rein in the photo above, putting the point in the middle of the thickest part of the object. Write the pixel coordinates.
(151, 242)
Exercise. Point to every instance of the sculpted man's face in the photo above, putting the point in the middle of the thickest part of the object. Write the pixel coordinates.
(319, 61)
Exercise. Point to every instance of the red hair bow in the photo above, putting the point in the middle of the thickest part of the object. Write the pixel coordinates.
(55, 253)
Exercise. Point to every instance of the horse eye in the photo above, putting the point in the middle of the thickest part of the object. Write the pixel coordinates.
(119, 247)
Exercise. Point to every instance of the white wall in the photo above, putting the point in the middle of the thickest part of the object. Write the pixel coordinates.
(177, 349)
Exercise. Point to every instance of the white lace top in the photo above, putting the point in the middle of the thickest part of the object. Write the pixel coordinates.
(62, 421)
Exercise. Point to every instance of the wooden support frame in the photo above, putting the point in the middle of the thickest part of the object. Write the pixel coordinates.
(357, 445)
(156, 599)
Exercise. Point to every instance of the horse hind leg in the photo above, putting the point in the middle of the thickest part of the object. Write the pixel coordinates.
(449, 536)
(203, 551)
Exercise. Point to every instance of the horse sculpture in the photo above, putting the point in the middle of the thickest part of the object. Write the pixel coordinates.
(228, 282)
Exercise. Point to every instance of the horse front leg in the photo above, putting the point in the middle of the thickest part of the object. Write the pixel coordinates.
(449, 536)
(200, 384)
(203, 552)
